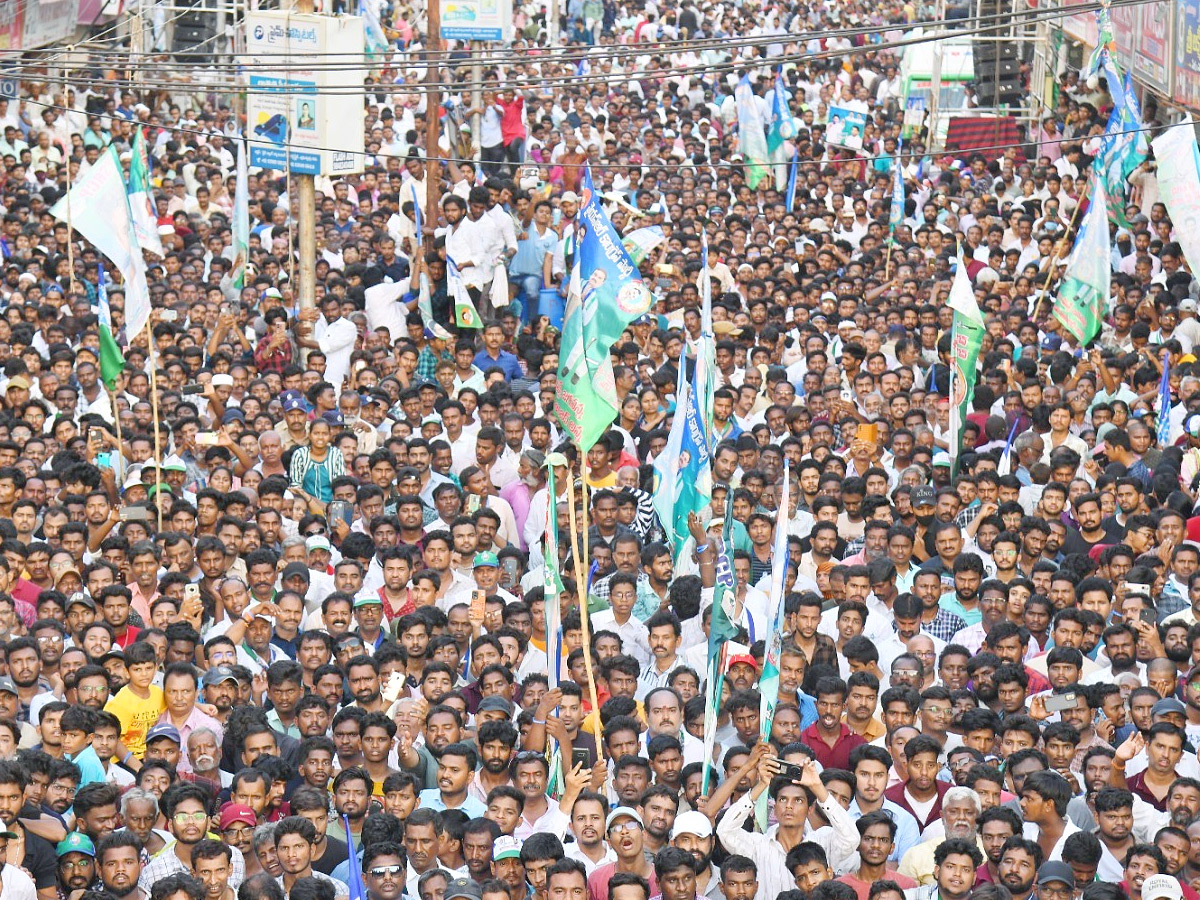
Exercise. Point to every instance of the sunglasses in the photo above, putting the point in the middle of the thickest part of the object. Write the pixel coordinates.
(381, 871)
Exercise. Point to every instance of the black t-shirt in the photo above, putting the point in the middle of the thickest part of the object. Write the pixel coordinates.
(39, 859)
(334, 855)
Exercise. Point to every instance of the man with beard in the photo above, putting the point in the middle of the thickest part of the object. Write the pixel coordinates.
(1020, 860)
(831, 739)
(204, 751)
(211, 861)
(312, 804)
(119, 860)
(693, 833)
(1044, 799)
(384, 868)
(659, 806)
(221, 690)
(1175, 845)
(1120, 643)
(352, 790)
(1164, 749)
(237, 824)
(937, 621)
(587, 825)
(76, 863)
(871, 767)
(38, 857)
(362, 673)
(739, 879)
(186, 808)
(922, 790)
(996, 825)
(1143, 863)
(1114, 827)
(624, 830)
(497, 742)
(294, 838)
(958, 811)
(877, 839)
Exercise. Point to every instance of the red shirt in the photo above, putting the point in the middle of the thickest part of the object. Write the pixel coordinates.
(837, 756)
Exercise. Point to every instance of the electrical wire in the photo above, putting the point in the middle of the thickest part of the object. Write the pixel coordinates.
(606, 166)
(618, 78)
(487, 55)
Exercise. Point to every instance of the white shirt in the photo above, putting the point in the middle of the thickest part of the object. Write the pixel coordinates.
(19, 886)
(336, 340)
(635, 638)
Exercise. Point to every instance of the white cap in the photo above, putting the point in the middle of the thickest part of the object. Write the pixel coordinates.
(316, 542)
(1161, 887)
(692, 822)
(222, 380)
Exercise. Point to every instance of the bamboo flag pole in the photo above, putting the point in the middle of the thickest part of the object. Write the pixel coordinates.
(581, 571)
(158, 459)
(70, 235)
(1057, 248)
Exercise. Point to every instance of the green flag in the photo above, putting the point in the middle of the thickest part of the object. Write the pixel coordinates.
(606, 294)
(112, 361)
(721, 630)
(752, 137)
(966, 339)
(1083, 296)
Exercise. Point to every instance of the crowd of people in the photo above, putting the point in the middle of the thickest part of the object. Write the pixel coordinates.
(273, 601)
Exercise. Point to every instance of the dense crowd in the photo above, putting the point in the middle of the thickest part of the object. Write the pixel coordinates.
(274, 603)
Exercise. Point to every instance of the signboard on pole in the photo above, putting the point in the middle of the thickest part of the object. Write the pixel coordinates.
(1152, 61)
(299, 108)
(476, 20)
(48, 22)
(1187, 53)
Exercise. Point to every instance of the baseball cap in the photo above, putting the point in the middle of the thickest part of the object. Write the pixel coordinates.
(219, 675)
(1167, 706)
(79, 597)
(463, 887)
(164, 731)
(232, 415)
(293, 403)
(317, 542)
(941, 458)
(174, 464)
(506, 847)
(1161, 887)
(622, 812)
(17, 381)
(333, 417)
(1056, 871)
(75, 842)
(237, 812)
(745, 658)
(923, 495)
(569, 197)
(692, 822)
(495, 704)
(1051, 342)
(371, 599)
(487, 558)
(296, 570)
(6, 685)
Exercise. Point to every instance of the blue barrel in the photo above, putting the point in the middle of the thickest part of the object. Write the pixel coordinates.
(552, 305)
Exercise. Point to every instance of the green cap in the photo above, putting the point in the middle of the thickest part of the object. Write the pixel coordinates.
(371, 599)
(75, 842)
(487, 558)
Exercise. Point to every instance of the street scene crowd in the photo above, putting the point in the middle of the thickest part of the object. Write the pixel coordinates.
(311, 603)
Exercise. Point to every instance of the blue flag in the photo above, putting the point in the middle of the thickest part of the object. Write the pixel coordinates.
(793, 173)
(354, 879)
(1164, 403)
(896, 214)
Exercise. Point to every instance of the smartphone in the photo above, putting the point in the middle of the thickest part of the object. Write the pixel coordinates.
(791, 771)
(1147, 616)
(206, 439)
(191, 592)
(869, 432)
(1059, 702)
(478, 604)
(580, 756)
(339, 509)
(133, 514)
(170, 315)
(508, 572)
(192, 389)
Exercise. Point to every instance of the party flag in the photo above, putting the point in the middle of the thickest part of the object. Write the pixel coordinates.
(141, 198)
(1179, 185)
(752, 141)
(241, 221)
(1164, 402)
(722, 629)
(1083, 296)
(465, 314)
(966, 340)
(768, 682)
(354, 879)
(112, 361)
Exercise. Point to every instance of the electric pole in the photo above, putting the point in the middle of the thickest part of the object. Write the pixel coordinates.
(433, 106)
(306, 198)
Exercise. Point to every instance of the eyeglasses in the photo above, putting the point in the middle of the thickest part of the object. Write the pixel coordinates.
(622, 827)
(197, 817)
(237, 834)
(77, 865)
(91, 690)
(382, 871)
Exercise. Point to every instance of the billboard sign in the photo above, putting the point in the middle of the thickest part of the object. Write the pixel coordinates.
(476, 20)
(301, 116)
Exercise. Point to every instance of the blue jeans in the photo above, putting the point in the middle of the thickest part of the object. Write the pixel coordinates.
(527, 294)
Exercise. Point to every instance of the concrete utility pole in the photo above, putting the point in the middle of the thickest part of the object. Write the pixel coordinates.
(433, 105)
(477, 96)
(935, 79)
(306, 198)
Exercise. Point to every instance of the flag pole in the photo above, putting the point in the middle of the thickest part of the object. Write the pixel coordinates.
(158, 460)
(70, 234)
(1057, 251)
(581, 570)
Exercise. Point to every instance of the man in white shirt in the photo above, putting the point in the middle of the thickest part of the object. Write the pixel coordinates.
(333, 336)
